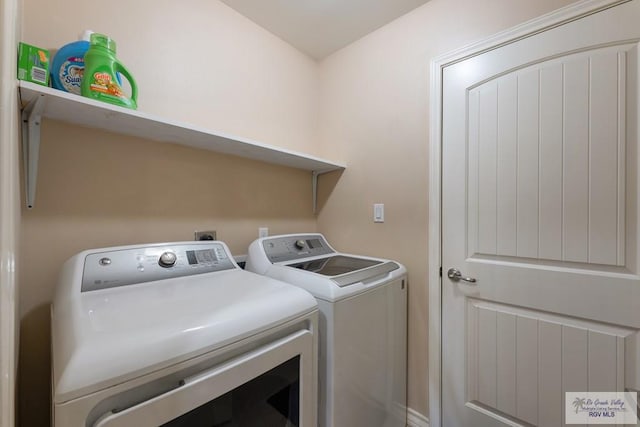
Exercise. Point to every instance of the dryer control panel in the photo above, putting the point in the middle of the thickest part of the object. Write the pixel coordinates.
(131, 265)
(292, 247)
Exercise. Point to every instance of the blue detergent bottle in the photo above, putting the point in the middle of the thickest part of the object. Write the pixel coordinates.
(67, 67)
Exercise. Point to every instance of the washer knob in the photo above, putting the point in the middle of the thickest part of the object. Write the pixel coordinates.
(167, 259)
(300, 244)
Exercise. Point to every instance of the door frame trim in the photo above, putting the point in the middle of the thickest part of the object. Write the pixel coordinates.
(556, 18)
(10, 19)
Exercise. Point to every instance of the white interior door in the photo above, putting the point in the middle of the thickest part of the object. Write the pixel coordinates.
(540, 206)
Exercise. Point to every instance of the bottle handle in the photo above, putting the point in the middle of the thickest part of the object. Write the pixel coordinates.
(134, 89)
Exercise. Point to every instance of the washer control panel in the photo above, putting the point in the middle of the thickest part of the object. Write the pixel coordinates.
(132, 265)
(287, 248)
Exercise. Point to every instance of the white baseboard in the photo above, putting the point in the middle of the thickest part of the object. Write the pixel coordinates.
(416, 419)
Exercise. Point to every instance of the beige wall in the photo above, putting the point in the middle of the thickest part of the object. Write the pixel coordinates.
(196, 61)
(374, 114)
(9, 210)
(201, 63)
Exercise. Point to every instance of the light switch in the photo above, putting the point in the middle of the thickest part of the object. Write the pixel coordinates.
(378, 212)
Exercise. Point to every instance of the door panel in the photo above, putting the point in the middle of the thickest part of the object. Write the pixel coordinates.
(550, 141)
(521, 360)
(539, 200)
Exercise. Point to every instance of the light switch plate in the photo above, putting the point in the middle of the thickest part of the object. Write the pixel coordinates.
(378, 212)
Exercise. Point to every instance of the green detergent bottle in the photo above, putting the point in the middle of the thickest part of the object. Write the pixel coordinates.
(101, 68)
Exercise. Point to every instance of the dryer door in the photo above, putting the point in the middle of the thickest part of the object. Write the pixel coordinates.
(272, 385)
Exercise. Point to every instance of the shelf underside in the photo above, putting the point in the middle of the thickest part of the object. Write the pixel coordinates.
(75, 109)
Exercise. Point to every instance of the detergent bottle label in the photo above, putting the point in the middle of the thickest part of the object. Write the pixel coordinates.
(103, 82)
(71, 73)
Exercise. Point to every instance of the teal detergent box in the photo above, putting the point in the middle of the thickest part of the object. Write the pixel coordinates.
(33, 64)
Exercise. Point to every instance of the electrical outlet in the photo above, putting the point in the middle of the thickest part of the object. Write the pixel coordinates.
(263, 232)
(205, 235)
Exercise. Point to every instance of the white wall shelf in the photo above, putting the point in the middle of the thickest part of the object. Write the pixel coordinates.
(40, 101)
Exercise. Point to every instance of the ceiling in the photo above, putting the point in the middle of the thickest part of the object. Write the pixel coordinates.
(321, 27)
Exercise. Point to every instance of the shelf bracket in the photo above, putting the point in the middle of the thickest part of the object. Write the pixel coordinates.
(31, 119)
(314, 186)
(314, 190)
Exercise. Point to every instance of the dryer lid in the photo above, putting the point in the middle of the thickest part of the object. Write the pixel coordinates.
(114, 335)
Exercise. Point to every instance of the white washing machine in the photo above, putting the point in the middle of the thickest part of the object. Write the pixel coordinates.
(177, 334)
(363, 326)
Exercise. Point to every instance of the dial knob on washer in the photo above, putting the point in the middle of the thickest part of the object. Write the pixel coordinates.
(167, 259)
(300, 244)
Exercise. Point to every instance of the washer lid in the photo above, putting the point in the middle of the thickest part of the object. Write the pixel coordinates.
(347, 270)
(335, 265)
(110, 336)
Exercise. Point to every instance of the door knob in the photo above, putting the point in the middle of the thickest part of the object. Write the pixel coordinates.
(455, 275)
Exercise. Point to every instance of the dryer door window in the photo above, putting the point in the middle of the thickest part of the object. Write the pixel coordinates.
(272, 385)
(272, 399)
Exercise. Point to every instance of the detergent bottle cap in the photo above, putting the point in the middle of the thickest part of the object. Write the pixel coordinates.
(85, 35)
(103, 41)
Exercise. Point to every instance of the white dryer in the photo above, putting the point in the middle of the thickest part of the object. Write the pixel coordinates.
(363, 326)
(176, 334)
